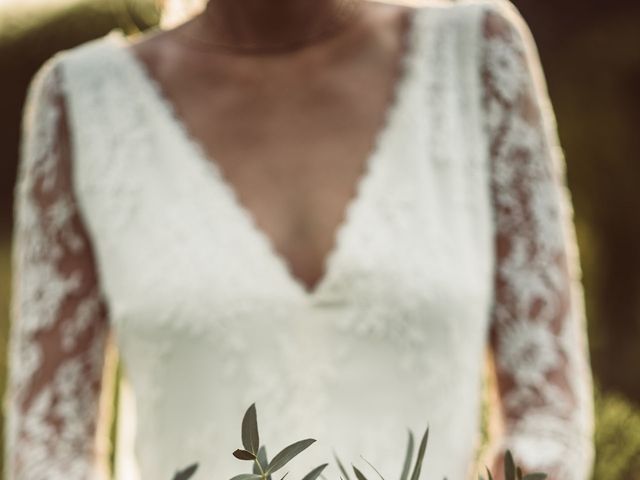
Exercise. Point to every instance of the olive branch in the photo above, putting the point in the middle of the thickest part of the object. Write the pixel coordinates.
(263, 468)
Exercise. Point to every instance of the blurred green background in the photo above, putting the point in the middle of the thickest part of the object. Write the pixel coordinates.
(591, 55)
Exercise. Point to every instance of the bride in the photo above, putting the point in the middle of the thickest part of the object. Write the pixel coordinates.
(332, 208)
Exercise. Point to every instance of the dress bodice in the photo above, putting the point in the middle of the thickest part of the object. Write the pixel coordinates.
(208, 319)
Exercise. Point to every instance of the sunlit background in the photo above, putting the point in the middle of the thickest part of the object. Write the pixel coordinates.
(591, 55)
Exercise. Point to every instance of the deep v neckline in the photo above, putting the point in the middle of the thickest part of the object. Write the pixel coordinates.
(406, 65)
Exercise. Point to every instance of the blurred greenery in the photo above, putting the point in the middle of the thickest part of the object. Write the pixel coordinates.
(591, 55)
(617, 439)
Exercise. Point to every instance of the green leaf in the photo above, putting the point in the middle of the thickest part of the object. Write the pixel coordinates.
(262, 460)
(418, 465)
(509, 466)
(287, 453)
(186, 473)
(250, 437)
(535, 476)
(489, 476)
(247, 476)
(315, 473)
(359, 474)
(374, 468)
(341, 467)
(243, 454)
(407, 458)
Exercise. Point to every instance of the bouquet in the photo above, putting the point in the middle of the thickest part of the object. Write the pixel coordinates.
(263, 469)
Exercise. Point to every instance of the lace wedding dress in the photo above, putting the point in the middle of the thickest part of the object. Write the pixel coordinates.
(460, 237)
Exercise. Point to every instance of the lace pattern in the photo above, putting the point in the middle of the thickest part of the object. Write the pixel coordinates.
(538, 325)
(59, 321)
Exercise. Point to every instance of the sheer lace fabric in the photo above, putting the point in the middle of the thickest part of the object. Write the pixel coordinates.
(59, 326)
(458, 243)
(538, 323)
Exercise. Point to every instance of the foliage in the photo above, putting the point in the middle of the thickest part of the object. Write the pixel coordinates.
(262, 468)
(617, 439)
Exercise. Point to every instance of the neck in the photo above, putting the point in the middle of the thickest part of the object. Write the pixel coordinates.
(265, 23)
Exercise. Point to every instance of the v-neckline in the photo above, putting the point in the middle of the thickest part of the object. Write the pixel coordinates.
(407, 64)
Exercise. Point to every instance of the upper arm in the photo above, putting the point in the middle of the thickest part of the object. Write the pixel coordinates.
(538, 331)
(59, 320)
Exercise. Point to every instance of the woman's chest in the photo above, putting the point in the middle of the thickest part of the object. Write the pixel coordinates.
(178, 246)
(174, 234)
(293, 143)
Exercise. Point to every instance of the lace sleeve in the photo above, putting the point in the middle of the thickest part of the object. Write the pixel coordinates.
(59, 324)
(538, 335)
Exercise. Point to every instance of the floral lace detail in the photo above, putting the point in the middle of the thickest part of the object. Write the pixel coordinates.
(59, 321)
(197, 320)
(538, 326)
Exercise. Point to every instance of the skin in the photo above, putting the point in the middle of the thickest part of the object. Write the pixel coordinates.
(290, 130)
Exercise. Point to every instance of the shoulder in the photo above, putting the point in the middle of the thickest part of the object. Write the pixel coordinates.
(85, 84)
(502, 9)
(89, 60)
(500, 17)
(90, 76)
(45, 82)
(43, 100)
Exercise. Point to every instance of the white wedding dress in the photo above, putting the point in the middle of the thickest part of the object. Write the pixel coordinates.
(460, 238)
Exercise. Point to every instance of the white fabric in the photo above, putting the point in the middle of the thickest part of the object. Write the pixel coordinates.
(460, 237)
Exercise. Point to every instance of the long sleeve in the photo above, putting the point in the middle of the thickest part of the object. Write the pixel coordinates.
(59, 320)
(538, 333)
